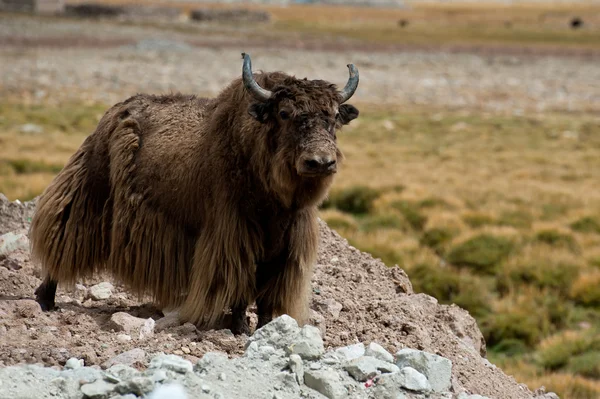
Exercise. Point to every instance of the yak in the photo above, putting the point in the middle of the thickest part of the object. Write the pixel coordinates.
(204, 204)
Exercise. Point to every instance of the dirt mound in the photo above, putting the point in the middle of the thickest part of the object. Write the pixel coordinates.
(355, 299)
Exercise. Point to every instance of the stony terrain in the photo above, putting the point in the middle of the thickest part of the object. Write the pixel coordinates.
(59, 60)
(356, 300)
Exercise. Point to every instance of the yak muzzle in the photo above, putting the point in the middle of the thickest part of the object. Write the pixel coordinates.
(317, 165)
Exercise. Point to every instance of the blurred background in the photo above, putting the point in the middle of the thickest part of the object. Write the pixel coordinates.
(475, 163)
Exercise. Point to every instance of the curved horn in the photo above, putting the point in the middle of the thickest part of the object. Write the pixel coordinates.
(257, 92)
(352, 84)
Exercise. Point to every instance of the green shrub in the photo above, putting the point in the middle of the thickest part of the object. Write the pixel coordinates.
(519, 326)
(517, 219)
(476, 220)
(382, 221)
(555, 352)
(557, 239)
(481, 253)
(510, 347)
(432, 202)
(356, 200)
(585, 290)
(411, 213)
(436, 237)
(449, 286)
(586, 364)
(586, 225)
(340, 221)
(544, 273)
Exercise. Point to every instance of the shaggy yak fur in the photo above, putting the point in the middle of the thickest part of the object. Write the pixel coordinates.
(203, 204)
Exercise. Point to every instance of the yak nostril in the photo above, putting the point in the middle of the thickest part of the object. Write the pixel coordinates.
(312, 163)
(329, 164)
(319, 164)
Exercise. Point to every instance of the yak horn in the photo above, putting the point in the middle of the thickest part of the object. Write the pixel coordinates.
(257, 92)
(352, 84)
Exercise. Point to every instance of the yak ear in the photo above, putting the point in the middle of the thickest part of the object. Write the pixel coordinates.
(348, 113)
(259, 111)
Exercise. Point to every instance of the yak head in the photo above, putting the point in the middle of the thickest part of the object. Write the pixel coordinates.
(303, 117)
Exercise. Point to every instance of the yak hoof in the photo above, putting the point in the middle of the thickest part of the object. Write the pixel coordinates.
(45, 296)
(241, 327)
(262, 320)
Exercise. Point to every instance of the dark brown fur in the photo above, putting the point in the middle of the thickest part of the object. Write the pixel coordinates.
(196, 202)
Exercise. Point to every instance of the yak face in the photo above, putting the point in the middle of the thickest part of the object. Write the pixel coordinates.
(303, 117)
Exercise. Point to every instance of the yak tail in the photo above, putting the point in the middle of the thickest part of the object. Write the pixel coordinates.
(288, 292)
(69, 230)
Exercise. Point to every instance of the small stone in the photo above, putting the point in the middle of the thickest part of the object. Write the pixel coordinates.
(366, 367)
(178, 352)
(128, 358)
(11, 242)
(100, 291)
(334, 260)
(411, 379)
(437, 369)
(222, 377)
(351, 352)
(185, 350)
(27, 308)
(98, 389)
(121, 372)
(378, 352)
(73, 363)
(123, 337)
(315, 366)
(330, 306)
(205, 388)
(309, 345)
(171, 362)
(170, 320)
(31, 128)
(209, 361)
(327, 382)
(297, 367)
(81, 292)
(134, 326)
(317, 320)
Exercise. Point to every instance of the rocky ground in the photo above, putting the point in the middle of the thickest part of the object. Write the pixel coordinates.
(58, 60)
(357, 301)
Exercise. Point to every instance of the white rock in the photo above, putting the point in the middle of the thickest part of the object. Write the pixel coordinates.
(327, 382)
(73, 363)
(134, 326)
(128, 358)
(171, 362)
(366, 367)
(168, 391)
(351, 352)
(308, 345)
(98, 389)
(437, 369)
(123, 337)
(297, 367)
(11, 242)
(101, 291)
(411, 379)
(279, 333)
(378, 352)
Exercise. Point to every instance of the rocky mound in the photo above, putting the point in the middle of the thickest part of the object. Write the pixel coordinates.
(357, 301)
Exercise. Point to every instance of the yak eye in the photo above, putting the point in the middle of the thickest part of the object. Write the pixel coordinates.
(283, 115)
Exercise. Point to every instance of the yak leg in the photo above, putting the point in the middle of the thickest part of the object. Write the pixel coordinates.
(45, 294)
(239, 323)
(268, 274)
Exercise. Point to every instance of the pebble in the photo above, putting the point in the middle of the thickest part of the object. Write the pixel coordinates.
(73, 363)
(128, 358)
(378, 352)
(330, 306)
(186, 350)
(98, 389)
(173, 363)
(11, 242)
(411, 379)
(134, 326)
(367, 367)
(123, 337)
(297, 367)
(100, 291)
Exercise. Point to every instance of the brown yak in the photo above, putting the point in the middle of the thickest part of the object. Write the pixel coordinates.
(204, 204)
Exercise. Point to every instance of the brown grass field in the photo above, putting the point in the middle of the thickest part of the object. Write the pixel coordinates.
(498, 213)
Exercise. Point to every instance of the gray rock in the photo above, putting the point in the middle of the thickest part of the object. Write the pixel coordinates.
(136, 385)
(437, 369)
(98, 389)
(366, 367)
(317, 320)
(327, 382)
(171, 362)
(159, 376)
(297, 367)
(100, 291)
(11, 242)
(170, 320)
(279, 333)
(128, 358)
(210, 360)
(135, 326)
(308, 345)
(330, 306)
(351, 352)
(378, 352)
(73, 363)
(411, 379)
(121, 372)
(169, 391)
(475, 396)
